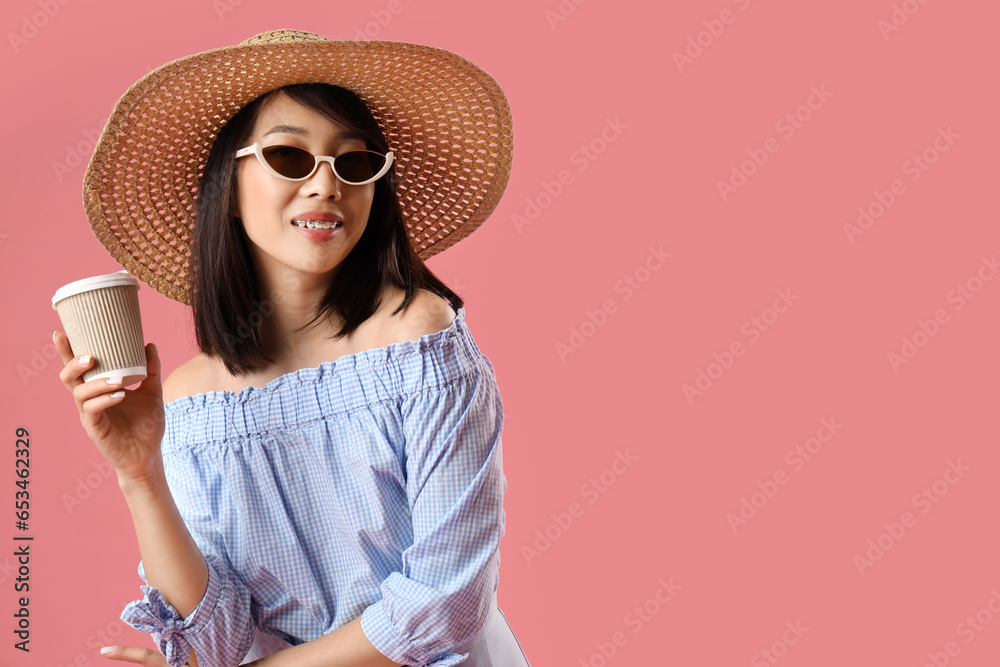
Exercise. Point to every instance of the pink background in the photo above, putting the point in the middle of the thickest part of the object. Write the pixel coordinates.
(662, 136)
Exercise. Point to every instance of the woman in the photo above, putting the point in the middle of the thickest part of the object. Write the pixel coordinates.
(324, 485)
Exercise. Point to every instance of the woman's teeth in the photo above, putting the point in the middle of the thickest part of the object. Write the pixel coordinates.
(316, 224)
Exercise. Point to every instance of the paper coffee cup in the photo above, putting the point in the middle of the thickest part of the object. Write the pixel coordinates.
(100, 316)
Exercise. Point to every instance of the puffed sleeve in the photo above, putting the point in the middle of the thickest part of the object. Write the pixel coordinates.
(455, 487)
(220, 630)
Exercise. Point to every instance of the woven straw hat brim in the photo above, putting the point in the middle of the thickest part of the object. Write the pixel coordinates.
(447, 121)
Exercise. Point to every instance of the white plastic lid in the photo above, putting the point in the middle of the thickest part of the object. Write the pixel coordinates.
(95, 282)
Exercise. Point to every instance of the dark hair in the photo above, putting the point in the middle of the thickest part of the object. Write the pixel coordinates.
(229, 310)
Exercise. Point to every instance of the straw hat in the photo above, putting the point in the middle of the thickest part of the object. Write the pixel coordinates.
(447, 121)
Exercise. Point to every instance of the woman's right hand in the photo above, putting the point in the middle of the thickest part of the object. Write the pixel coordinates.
(127, 426)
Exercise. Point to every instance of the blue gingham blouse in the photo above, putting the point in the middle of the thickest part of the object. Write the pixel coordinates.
(371, 486)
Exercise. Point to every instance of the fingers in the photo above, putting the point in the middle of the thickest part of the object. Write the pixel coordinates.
(152, 381)
(98, 395)
(139, 656)
(152, 361)
(62, 346)
(74, 368)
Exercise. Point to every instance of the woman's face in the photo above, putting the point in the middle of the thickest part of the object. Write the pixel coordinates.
(273, 210)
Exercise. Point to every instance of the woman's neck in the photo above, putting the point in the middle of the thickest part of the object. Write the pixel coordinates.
(292, 336)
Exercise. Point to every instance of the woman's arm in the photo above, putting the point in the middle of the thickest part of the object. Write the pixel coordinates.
(127, 427)
(346, 646)
(172, 562)
(455, 485)
(167, 549)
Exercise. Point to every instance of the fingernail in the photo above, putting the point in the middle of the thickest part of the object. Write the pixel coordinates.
(117, 394)
(114, 380)
(84, 360)
(107, 650)
(54, 334)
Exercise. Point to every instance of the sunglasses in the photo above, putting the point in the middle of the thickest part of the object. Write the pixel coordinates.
(297, 164)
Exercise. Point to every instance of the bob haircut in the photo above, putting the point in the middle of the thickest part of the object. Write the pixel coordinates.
(228, 309)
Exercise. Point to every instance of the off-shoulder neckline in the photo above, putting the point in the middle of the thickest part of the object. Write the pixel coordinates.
(369, 357)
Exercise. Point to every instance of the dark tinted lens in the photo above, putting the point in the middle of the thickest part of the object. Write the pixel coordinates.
(358, 166)
(289, 161)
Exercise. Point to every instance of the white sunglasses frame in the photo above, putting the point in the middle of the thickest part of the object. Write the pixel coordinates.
(258, 150)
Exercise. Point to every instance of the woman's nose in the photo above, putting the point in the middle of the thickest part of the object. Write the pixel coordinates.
(323, 183)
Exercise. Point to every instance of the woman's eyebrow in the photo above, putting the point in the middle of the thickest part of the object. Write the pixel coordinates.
(288, 129)
(291, 129)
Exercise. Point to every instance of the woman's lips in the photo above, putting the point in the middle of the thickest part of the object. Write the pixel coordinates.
(318, 235)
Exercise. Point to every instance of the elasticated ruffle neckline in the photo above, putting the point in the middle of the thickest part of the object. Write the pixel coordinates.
(366, 359)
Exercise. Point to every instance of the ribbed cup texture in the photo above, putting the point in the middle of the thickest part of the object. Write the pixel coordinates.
(105, 323)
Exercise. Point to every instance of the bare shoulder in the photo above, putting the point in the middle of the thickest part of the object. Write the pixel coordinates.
(427, 313)
(194, 376)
